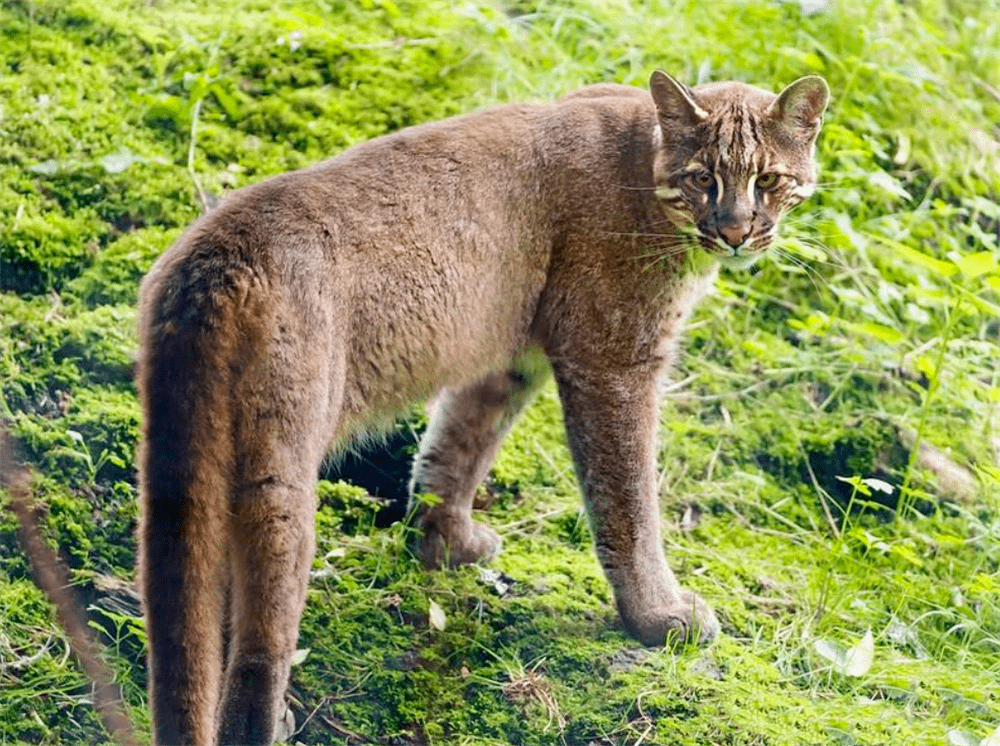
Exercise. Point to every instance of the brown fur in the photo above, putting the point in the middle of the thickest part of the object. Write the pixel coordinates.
(454, 257)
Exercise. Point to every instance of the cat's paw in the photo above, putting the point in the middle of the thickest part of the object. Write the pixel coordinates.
(452, 543)
(689, 619)
(285, 728)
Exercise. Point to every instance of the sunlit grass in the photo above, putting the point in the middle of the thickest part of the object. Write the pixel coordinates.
(875, 324)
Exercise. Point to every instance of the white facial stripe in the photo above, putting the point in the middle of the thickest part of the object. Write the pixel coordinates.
(718, 183)
(751, 190)
(804, 191)
(698, 111)
(668, 192)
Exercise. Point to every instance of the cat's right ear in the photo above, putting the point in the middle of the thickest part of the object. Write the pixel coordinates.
(675, 102)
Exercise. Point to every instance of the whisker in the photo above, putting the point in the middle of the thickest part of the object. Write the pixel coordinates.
(641, 235)
(661, 252)
(810, 273)
(832, 259)
(671, 250)
(631, 188)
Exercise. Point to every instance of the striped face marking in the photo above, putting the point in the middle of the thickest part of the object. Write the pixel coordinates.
(731, 159)
(804, 191)
(669, 192)
(719, 186)
(732, 194)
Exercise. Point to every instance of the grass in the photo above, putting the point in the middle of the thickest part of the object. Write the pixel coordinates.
(800, 397)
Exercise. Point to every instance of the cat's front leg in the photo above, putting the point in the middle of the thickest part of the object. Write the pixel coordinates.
(611, 421)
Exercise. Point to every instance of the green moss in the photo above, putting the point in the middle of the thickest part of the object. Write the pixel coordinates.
(41, 249)
(860, 325)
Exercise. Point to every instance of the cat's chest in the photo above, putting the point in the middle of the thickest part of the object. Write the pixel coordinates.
(680, 298)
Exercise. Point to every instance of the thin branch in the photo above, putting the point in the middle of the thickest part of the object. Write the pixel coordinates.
(206, 204)
(53, 578)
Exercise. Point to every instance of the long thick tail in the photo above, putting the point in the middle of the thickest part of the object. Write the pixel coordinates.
(186, 465)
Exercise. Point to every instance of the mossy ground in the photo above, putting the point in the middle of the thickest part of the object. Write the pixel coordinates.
(877, 322)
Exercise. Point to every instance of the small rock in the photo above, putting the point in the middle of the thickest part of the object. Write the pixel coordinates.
(707, 667)
(626, 660)
(502, 584)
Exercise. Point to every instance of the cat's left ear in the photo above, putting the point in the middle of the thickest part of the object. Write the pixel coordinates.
(799, 108)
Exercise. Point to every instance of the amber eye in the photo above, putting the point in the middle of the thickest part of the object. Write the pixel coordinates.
(703, 179)
(767, 182)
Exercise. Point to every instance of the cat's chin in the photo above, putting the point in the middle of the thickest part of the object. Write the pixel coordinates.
(742, 258)
(740, 261)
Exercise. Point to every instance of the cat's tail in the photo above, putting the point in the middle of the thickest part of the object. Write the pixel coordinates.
(186, 479)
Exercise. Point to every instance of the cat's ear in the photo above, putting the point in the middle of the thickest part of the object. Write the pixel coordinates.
(675, 102)
(799, 108)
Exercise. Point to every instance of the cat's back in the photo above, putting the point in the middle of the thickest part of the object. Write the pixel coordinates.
(479, 180)
(609, 91)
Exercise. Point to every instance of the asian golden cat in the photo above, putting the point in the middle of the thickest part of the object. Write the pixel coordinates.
(465, 259)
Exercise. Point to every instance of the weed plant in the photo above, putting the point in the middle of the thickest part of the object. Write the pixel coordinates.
(829, 469)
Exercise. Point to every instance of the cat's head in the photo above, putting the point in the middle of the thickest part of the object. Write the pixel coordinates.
(731, 159)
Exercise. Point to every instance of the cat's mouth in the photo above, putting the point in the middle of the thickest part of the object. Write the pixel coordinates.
(741, 257)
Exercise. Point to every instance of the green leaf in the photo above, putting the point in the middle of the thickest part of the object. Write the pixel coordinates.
(981, 304)
(881, 332)
(918, 257)
(982, 583)
(226, 100)
(980, 263)
(992, 739)
(888, 184)
(858, 483)
(428, 499)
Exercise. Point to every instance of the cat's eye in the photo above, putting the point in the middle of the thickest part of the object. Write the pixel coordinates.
(703, 179)
(767, 182)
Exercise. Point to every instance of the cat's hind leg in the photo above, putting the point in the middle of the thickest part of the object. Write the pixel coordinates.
(271, 553)
(281, 430)
(467, 426)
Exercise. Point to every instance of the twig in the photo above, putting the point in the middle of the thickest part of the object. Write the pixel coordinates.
(27, 660)
(988, 88)
(398, 43)
(648, 721)
(53, 578)
(708, 398)
(823, 494)
(206, 205)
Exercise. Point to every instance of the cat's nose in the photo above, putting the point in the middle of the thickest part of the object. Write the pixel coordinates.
(735, 234)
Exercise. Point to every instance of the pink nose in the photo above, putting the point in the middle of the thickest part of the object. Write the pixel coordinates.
(736, 234)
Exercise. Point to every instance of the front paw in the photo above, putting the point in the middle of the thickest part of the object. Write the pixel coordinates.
(449, 543)
(688, 619)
